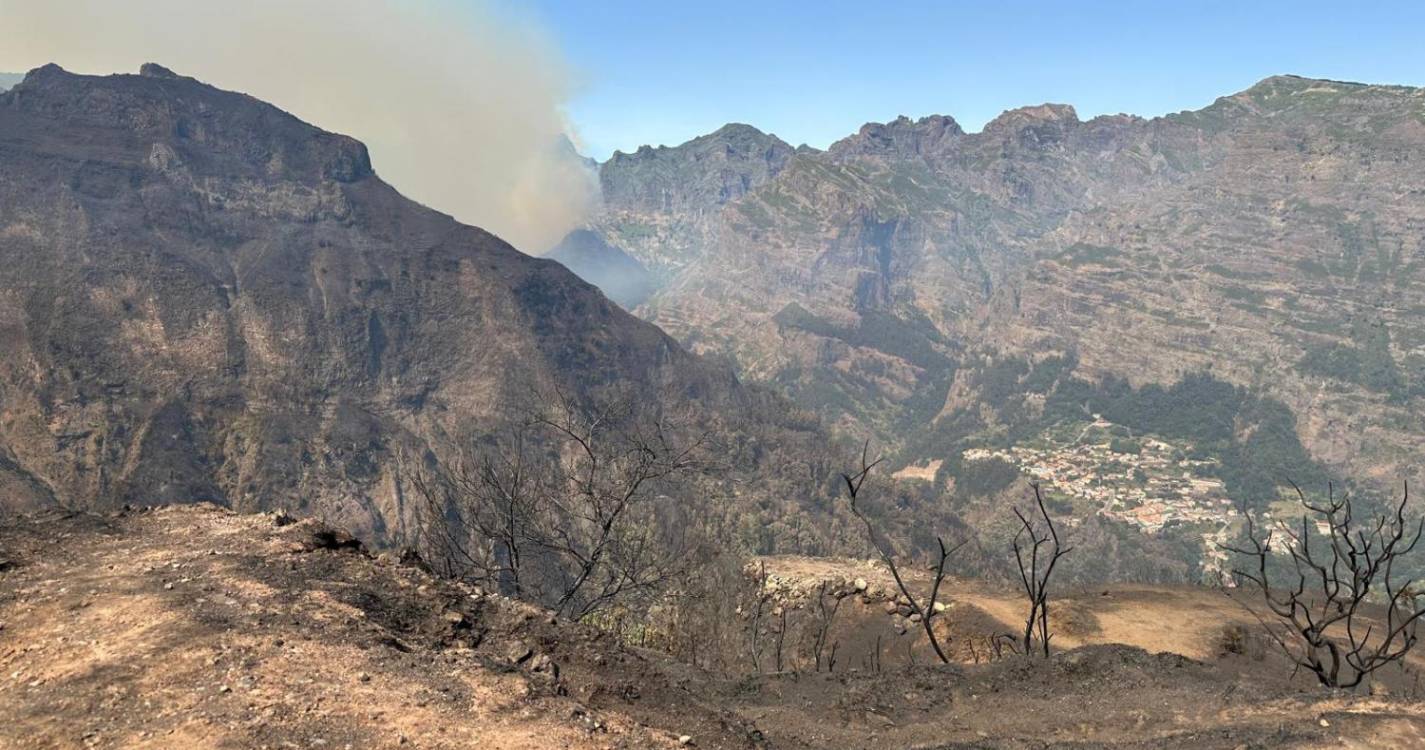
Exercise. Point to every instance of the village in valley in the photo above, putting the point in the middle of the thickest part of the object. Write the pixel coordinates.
(1101, 467)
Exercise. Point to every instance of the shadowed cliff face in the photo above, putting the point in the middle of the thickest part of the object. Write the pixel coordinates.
(1272, 238)
(203, 298)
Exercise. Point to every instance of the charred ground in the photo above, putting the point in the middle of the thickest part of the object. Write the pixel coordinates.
(194, 626)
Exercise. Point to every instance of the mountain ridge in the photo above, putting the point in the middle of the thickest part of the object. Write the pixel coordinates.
(942, 298)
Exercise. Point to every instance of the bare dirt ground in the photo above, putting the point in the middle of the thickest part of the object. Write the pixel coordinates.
(194, 627)
(1185, 620)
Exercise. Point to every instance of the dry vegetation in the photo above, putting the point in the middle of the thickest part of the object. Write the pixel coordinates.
(196, 627)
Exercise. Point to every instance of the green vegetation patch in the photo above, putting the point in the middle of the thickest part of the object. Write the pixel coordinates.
(913, 339)
(987, 477)
(1243, 294)
(1253, 438)
(755, 214)
(634, 230)
(1368, 363)
(1232, 273)
(1080, 254)
(1314, 268)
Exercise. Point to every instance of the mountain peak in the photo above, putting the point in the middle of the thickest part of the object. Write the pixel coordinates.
(740, 130)
(207, 129)
(1309, 98)
(707, 171)
(1292, 80)
(734, 133)
(1286, 84)
(154, 70)
(741, 137)
(1022, 117)
(901, 137)
(46, 71)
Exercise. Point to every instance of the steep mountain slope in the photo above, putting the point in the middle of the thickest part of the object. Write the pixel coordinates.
(203, 298)
(905, 281)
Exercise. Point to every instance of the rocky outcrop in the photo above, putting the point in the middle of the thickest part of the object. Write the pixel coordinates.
(901, 138)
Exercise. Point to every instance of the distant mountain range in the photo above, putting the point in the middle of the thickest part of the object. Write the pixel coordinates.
(941, 290)
(8, 80)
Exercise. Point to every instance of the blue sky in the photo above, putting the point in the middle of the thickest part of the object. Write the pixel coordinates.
(664, 72)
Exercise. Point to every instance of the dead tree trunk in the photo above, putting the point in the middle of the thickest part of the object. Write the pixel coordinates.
(826, 617)
(928, 608)
(1034, 579)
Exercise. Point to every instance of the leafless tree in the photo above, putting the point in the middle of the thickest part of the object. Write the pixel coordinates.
(480, 512)
(1336, 577)
(560, 505)
(781, 636)
(1037, 552)
(925, 608)
(826, 617)
(760, 597)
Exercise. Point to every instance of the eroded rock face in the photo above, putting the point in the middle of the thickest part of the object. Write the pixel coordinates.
(204, 298)
(1272, 238)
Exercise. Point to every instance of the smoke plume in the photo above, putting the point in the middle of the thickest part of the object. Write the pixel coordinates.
(460, 104)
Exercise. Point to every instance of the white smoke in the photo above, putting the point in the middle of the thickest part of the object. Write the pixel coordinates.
(461, 105)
